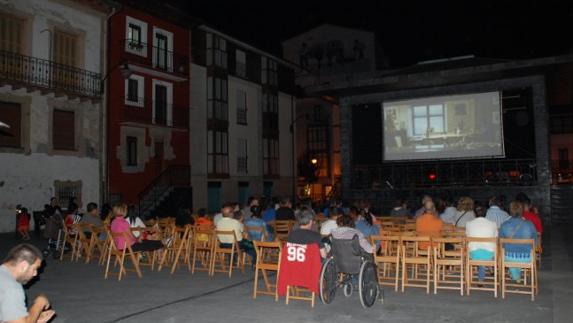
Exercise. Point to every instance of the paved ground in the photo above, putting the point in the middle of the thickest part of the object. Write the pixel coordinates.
(79, 293)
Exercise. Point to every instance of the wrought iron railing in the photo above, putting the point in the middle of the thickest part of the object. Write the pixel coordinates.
(158, 57)
(45, 74)
(173, 176)
(141, 111)
(445, 173)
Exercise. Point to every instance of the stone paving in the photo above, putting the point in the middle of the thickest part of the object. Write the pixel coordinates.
(79, 293)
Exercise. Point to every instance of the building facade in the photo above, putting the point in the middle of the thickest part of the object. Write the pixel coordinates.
(148, 106)
(242, 108)
(51, 63)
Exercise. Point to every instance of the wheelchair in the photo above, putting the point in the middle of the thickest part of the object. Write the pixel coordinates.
(347, 266)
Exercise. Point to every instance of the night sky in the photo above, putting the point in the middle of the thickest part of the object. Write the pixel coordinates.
(408, 31)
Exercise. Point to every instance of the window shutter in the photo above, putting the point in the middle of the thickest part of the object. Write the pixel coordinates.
(63, 130)
(10, 114)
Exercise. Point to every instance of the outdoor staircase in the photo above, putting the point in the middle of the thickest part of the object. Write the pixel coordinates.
(166, 193)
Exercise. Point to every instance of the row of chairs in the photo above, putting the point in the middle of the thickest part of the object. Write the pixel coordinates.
(445, 263)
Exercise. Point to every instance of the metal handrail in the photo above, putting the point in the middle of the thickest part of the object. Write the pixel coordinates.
(172, 176)
(46, 74)
(173, 62)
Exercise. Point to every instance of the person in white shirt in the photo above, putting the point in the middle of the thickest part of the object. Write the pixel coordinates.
(495, 213)
(481, 227)
(134, 221)
(465, 212)
(327, 226)
(229, 223)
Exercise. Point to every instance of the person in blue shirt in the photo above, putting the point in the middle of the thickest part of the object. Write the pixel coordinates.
(364, 223)
(255, 221)
(517, 228)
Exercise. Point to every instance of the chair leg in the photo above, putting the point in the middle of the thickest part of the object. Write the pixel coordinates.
(256, 283)
(107, 265)
(287, 294)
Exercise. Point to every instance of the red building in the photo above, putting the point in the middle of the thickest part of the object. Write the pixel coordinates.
(148, 106)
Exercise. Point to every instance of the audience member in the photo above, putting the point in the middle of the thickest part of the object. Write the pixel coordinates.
(255, 221)
(346, 230)
(465, 212)
(364, 223)
(428, 224)
(23, 223)
(422, 210)
(449, 212)
(304, 235)
(269, 214)
(517, 228)
(285, 211)
(495, 213)
(481, 227)
(327, 226)
(19, 267)
(530, 213)
(400, 209)
(91, 217)
(228, 223)
(134, 220)
(121, 225)
(202, 220)
(252, 201)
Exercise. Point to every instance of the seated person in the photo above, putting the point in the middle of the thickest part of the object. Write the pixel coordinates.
(203, 220)
(400, 209)
(120, 225)
(304, 235)
(91, 217)
(465, 212)
(347, 231)
(365, 224)
(423, 209)
(428, 224)
(481, 227)
(327, 226)
(517, 228)
(23, 223)
(255, 221)
(530, 213)
(449, 212)
(495, 213)
(134, 220)
(229, 223)
(285, 211)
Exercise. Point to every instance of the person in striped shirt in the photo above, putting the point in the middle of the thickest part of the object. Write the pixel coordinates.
(495, 213)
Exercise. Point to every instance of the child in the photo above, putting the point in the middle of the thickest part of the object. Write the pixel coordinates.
(23, 220)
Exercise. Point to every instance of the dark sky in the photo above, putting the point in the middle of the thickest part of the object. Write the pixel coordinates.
(408, 31)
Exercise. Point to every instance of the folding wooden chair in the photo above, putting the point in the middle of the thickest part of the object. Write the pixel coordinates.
(259, 231)
(448, 264)
(95, 244)
(177, 248)
(282, 229)
(203, 243)
(69, 238)
(220, 253)
(415, 257)
(528, 269)
(119, 257)
(267, 260)
(387, 259)
(82, 243)
(490, 283)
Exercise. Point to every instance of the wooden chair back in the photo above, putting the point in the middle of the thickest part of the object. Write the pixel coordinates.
(528, 266)
(267, 260)
(471, 265)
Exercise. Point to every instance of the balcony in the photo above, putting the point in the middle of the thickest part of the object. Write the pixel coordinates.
(156, 58)
(141, 111)
(36, 73)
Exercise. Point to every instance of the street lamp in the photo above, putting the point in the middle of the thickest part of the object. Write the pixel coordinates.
(123, 69)
(314, 161)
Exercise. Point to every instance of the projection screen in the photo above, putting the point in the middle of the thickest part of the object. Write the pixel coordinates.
(454, 126)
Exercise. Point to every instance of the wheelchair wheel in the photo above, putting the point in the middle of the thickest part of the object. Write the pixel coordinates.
(328, 281)
(368, 287)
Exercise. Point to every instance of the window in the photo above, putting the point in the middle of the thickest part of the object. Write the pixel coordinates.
(160, 104)
(134, 91)
(11, 30)
(160, 51)
(269, 73)
(270, 103)
(428, 119)
(270, 156)
(131, 143)
(10, 114)
(217, 152)
(563, 158)
(217, 98)
(63, 130)
(65, 190)
(162, 112)
(562, 124)
(242, 159)
(65, 49)
(240, 63)
(136, 36)
(216, 51)
(241, 107)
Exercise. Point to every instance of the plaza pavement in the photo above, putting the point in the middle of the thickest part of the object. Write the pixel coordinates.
(79, 293)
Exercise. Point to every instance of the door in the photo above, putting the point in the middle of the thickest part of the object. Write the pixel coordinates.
(160, 104)
(158, 159)
(244, 192)
(214, 197)
(161, 52)
(268, 189)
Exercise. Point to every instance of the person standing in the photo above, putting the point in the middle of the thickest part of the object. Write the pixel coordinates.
(19, 267)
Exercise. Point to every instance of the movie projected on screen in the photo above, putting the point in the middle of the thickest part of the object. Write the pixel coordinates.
(455, 126)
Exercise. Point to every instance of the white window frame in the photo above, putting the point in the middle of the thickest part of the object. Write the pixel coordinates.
(241, 60)
(169, 35)
(169, 87)
(242, 153)
(143, 25)
(140, 91)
